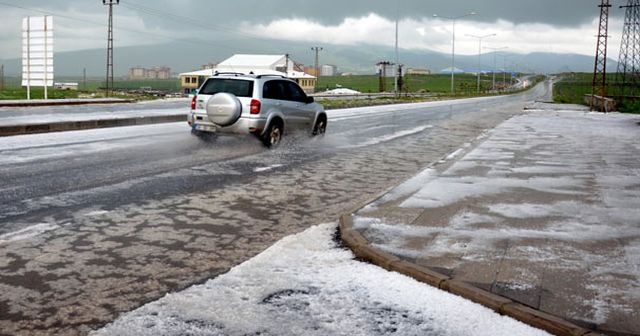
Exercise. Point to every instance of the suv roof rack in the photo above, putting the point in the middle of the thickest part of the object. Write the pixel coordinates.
(222, 73)
(270, 75)
(229, 73)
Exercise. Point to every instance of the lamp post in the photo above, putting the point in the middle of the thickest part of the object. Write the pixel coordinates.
(453, 42)
(480, 53)
(495, 67)
(504, 69)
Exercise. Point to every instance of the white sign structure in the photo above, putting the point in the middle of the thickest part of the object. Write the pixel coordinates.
(37, 53)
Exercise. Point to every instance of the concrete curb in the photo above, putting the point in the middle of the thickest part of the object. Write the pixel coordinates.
(55, 102)
(504, 306)
(10, 130)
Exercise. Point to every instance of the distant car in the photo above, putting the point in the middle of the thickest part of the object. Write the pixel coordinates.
(264, 105)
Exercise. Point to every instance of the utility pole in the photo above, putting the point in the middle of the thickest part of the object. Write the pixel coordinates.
(504, 70)
(600, 67)
(2, 77)
(84, 79)
(317, 50)
(495, 64)
(397, 76)
(629, 60)
(400, 81)
(453, 43)
(383, 74)
(110, 3)
(286, 64)
(480, 54)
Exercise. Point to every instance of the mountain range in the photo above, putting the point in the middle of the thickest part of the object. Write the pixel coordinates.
(360, 59)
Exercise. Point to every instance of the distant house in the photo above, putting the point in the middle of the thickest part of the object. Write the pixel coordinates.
(157, 72)
(328, 70)
(190, 81)
(418, 71)
(257, 64)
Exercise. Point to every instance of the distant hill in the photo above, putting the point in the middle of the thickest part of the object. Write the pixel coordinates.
(182, 57)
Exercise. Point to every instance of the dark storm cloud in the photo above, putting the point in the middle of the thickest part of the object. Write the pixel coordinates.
(555, 12)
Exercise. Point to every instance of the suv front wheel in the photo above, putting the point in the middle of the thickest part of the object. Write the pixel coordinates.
(273, 135)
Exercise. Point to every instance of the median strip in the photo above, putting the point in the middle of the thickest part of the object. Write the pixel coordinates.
(61, 126)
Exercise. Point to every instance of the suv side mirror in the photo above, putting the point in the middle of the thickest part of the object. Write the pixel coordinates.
(309, 100)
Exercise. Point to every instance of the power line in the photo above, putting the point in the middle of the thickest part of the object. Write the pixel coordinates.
(118, 29)
(189, 20)
(204, 25)
(155, 12)
(165, 15)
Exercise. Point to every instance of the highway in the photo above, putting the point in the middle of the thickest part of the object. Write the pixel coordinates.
(94, 223)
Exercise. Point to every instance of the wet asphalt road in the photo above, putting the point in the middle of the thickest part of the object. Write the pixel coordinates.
(96, 223)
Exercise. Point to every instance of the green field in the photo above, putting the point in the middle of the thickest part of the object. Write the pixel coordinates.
(440, 84)
(573, 86)
(36, 93)
(465, 84)
(13, 90)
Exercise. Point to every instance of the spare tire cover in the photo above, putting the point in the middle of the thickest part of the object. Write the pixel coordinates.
(223, 109)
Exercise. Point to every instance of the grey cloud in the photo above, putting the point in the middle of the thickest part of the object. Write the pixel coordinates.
(556, 12)
(224, 16)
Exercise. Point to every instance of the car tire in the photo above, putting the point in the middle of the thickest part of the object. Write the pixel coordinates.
(320, 127)
(273, 136)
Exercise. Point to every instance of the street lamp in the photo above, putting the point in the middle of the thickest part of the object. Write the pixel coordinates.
(504, 69)
(495, 67)
(453, 41)
(480, 53)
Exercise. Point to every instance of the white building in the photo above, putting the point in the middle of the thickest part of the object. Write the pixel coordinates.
(256, 64)
(418, 71)
(328, 70)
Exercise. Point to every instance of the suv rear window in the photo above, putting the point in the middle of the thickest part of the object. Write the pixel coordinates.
(238, 87)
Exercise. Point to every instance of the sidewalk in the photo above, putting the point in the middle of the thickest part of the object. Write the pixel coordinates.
(539, 221)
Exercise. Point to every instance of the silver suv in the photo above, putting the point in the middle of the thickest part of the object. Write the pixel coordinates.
(263, 105)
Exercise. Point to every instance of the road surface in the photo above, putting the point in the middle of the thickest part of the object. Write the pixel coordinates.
(95, 223)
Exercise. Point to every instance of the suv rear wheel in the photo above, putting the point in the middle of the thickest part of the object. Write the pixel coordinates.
(273, 135)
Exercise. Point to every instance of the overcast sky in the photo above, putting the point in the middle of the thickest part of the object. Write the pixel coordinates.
(563, 26)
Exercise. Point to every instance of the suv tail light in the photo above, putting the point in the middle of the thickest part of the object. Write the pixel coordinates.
(193, 102)
(255, 106)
